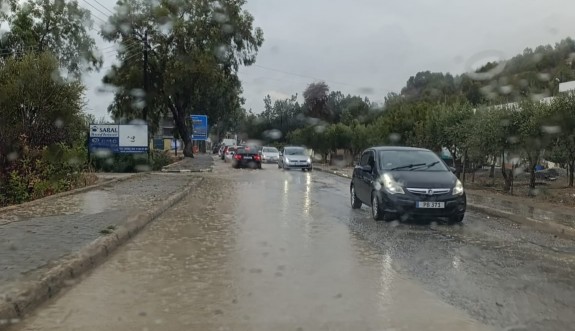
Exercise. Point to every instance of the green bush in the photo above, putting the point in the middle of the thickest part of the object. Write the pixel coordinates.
(160, 159)
(41, 172)
(132, 162)
(16, 189)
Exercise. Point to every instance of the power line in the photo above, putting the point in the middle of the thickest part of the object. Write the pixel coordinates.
(111, 12)
(124, 60)
(128, 48)
(105, 15)
(303, 76)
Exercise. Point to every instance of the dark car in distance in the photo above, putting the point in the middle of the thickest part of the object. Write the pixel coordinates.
(406, 182)
(247, 157)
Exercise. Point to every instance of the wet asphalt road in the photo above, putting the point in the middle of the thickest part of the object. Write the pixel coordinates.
(277, 250)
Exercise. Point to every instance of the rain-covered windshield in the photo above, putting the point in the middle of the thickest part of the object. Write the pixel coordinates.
(294, 151)
(119, 123)
(410, 160)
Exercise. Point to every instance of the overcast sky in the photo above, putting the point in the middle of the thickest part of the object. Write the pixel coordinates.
(371, 47)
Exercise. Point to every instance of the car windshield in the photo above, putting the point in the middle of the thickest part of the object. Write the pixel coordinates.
(294, 151)
(270, 150)
(410, 160)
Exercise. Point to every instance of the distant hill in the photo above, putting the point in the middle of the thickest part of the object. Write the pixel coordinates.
(534, 72)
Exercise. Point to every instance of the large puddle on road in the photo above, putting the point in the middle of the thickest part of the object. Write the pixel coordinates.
(270, 258)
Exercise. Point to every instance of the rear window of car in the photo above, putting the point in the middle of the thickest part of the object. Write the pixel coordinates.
(270, 150)
(246, 150)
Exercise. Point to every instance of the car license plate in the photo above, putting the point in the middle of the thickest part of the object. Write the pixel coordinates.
(430, 204)
(248, 157)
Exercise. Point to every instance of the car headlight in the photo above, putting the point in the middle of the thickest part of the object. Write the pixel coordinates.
(309, 160)
(287, 160)
(391, 186)
(458, 189)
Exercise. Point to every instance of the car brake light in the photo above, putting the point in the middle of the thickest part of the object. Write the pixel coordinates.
(238, 157)
(257, 157)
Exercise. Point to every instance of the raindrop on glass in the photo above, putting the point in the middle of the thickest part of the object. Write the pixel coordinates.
(394, 137)
(551, 129)
(274, 134)
(103, 153)
(143, 168)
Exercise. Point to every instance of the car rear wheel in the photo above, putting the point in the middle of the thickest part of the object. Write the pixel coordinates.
(355, 202)
(376, 208)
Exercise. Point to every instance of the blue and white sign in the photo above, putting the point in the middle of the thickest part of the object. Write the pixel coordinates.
(200, 127)
(119, 138)
(176, 144)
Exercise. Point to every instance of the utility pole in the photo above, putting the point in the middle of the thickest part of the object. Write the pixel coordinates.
(145, 110)
(146, 98)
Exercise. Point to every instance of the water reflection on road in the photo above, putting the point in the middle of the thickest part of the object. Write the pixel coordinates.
(266, 250)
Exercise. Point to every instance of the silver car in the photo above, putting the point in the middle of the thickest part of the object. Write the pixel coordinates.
(295, 158)
(270, 155)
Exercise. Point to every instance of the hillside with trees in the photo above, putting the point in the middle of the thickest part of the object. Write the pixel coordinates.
(440, 110)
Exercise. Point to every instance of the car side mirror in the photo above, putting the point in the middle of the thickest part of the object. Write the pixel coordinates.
(367, 168)
(281, 154)
(452, 169)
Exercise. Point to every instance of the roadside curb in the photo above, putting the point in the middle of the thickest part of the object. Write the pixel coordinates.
(549, 227)
(173, 164)
(74, 191)
(187, 170)
(332, 172)
(24, 300)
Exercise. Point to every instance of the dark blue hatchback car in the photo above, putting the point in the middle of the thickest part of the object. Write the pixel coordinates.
(406, 182)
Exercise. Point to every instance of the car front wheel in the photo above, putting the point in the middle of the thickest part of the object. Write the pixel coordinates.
(355, 202)
(376, 208)
(456, 219)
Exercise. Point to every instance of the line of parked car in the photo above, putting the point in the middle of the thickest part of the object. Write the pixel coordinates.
(252, 156)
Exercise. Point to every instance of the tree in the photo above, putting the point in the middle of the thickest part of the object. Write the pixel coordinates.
(316, 97)
(37, 106)
(359, 138)
(532, 117)
(563, 109)
(60, 27)
(196, 49)
(485, 139)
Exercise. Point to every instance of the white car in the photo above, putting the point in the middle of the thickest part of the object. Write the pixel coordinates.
(293, 157)
(270, 155)
(230, 152)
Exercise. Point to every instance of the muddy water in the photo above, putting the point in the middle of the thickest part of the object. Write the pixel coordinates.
(255, 251)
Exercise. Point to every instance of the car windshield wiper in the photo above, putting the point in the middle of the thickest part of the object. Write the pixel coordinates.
(428, 165)
(408, 166)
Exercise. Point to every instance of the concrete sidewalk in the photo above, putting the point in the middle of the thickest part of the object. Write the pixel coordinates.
(544, 216)
(38, 238)
(200, 163)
